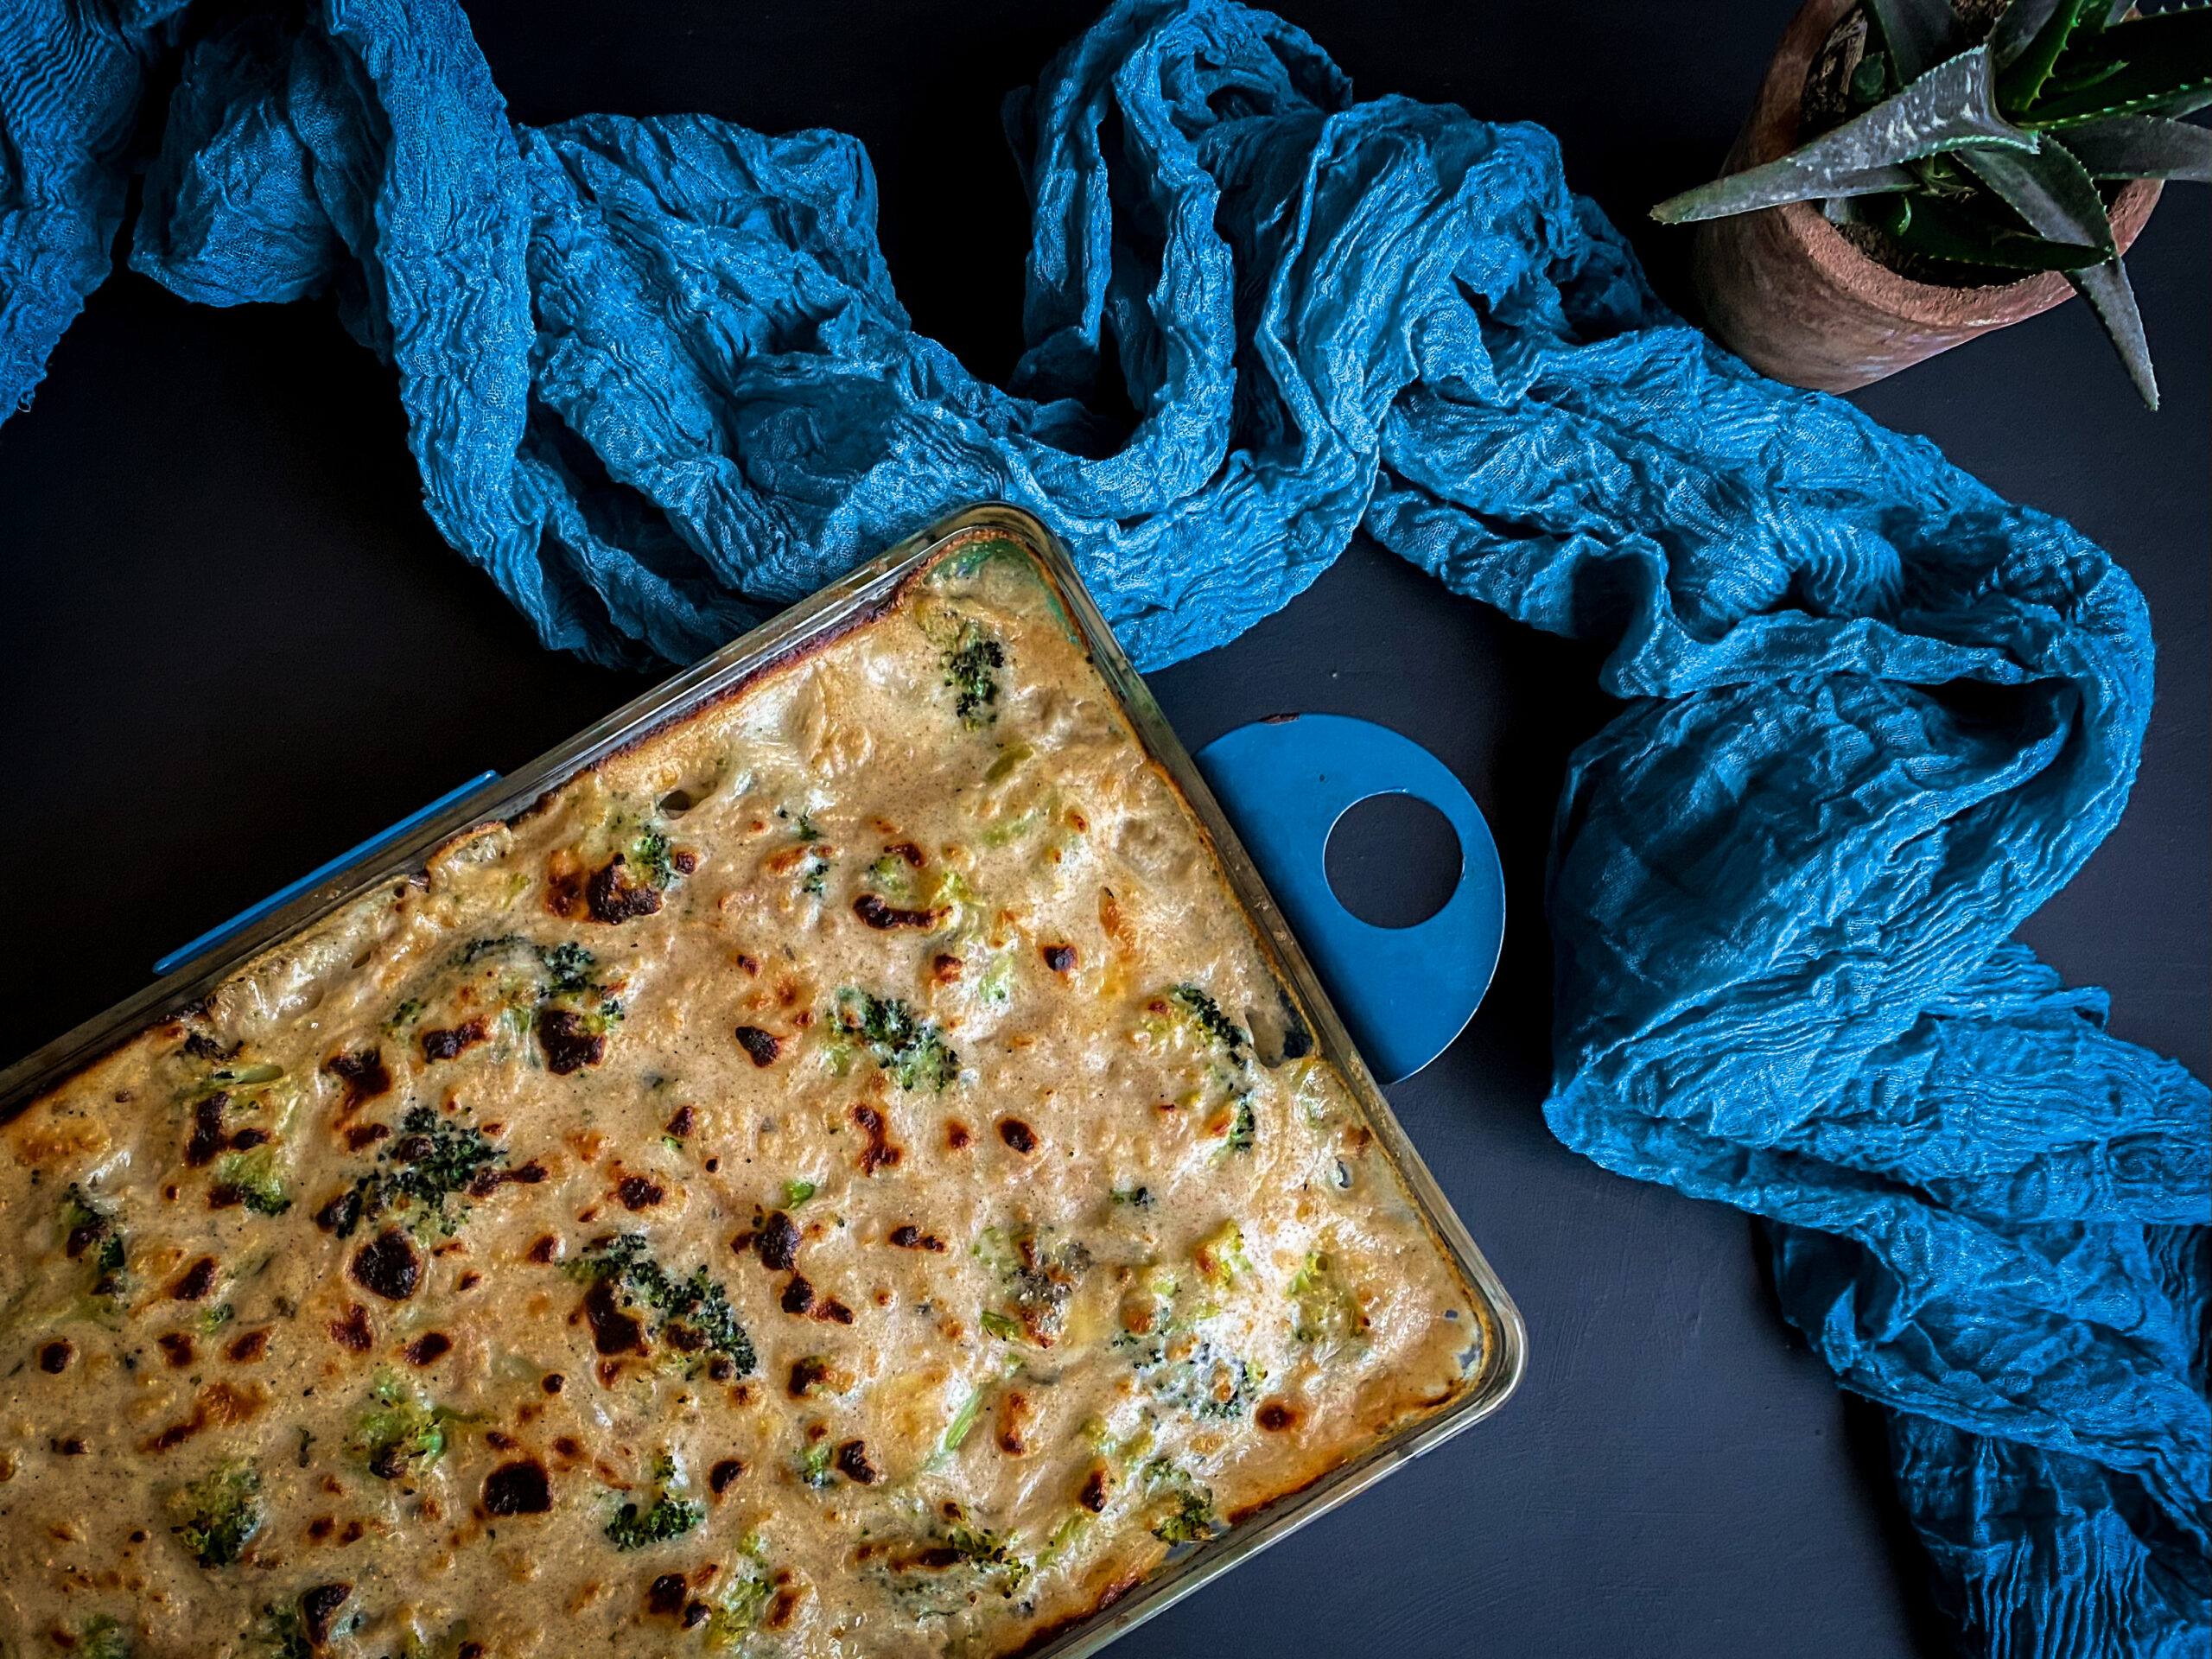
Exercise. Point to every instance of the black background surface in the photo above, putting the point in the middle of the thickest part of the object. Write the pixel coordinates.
(231, 644)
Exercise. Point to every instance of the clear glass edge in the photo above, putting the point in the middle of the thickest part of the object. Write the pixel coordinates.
(1505, 1341)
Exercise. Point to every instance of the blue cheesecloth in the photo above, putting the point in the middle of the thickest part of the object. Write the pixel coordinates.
(659, 385)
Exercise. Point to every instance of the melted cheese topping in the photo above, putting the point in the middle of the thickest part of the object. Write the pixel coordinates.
(839, 1177)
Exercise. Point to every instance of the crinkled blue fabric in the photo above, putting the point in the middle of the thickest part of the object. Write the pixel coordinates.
(658, 384)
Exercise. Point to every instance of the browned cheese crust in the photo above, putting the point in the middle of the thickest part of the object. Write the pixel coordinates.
(839, 1177)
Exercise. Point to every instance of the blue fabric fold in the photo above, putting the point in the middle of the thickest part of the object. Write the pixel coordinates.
(659, 383)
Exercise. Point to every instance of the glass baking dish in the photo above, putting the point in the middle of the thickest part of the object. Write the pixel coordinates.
(1492, 1362)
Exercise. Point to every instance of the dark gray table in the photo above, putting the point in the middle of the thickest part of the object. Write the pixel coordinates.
(231, 644)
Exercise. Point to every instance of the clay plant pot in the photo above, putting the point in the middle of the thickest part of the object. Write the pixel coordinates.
(1785, 292)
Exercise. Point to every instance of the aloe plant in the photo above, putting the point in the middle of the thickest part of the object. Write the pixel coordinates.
(1985, 154)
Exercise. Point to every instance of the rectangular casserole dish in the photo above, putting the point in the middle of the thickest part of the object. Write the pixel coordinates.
(1492, 1359)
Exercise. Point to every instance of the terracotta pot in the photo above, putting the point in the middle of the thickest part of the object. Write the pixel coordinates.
(1790, 295)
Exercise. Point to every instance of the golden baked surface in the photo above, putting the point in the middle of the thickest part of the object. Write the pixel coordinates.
(838, 1178)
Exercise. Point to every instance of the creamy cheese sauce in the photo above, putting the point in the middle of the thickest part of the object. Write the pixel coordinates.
(837, 1179)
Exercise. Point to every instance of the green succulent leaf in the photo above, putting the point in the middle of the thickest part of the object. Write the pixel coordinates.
(1944, 230)
(1920, 34)
(1949, 108)
(2016, 27)
(2022, 79)
(2050, 190)
(2160, 65)
(2140, 147)
(2105, 288)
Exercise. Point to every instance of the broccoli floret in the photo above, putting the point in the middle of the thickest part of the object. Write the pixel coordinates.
(1244, 1126)
(670, 1517)
(971, 666)
(250, 1179)
(1184, 1513)
(694, 1313)
(1206, 1014)
(913, 1050)
(219, 1514)
(401, 1435)
(992, 1553)
(103, 1637)
(281, 1635)
(570, 967)
(89, 1234)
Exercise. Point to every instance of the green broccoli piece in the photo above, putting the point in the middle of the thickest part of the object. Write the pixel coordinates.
(219, 1514)
(250, 1179)
(971, 666)
(670, 1517)
(694, 1313)
(913, 1050)
(1186, 1515)
(1205, 1013)
(103, 1637)
(403, 1435)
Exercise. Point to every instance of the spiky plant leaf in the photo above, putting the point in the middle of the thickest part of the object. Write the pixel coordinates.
(2048, 189)
(2022, 80)
(2160, 65)
(2140, 147)
(1949, 108)
(2105, 288)
(1920, 34)
(1946, 230)
(2016, 28)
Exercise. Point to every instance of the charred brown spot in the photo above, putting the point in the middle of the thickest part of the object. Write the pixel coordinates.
(776, 1243)
(564, 884)
(781, 1609)
(353, 1331)
(719, 1476)
(638, 1192)
(957, 1135)
(946, 970)
(542, 1249)
(499, 1440)
(247, 1140)
(318, 1606)
(830, 1310)
(1060, 958)
(852, 1462)
(911, 1237)
(611, 896)
(568, 1042)
(195, 1282)
(1017, 1135)
(322, 1526)
(176, 1347)
(365, 1134)
(799, 1296)
(517, 1488)
(554, 1382)
(1276, 1416)
(248, 1346)
(207, 1131)
(364, 1074)
(450, 1042)
(684, 1123)
(879, 1153)
(665, 1596)
(53, 1358)
(808, 1375)
(613, 1330)
(877, 914)
(907, 850)
(696, 1614)
(1093, 1494)
(429, 1348)
(762, 1047)
(388, 1266)
(219, 1406)
(71, 1447)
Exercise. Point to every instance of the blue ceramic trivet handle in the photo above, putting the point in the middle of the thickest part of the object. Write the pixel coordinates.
(1404, 992)
(252, 913)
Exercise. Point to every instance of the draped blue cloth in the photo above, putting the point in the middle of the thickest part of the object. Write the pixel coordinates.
(658, 384)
